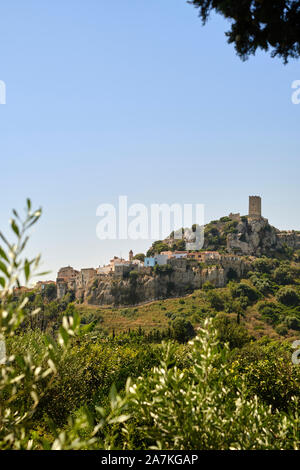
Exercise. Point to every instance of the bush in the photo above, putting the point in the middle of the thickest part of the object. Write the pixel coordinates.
(213, 231)
(229, 331)
(87, 373)
(293, 323)
(265, 265)
(281, 329)
(50, 291)
(157, 247)
(216, 301)
(178, 245)
(182, 330)
(140, 257)
(244, 290)
(269, 312)
(262, 284)
(230, 227)
(163, 269)
(208, 286)
(133, 276)
(269, 373)
(287, 296)
(283, 276)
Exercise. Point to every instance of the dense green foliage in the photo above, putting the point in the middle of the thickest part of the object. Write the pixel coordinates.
(197, 408)
(258, 24)
(140, 257)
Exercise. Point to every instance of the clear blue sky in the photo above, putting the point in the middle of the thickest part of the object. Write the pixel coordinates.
(132, 97)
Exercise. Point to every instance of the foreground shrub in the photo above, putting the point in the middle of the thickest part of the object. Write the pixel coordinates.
(269, 372)
(196, 409)
(23, 372)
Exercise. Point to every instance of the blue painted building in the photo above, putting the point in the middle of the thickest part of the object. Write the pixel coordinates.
(152, 261)
(149, 261)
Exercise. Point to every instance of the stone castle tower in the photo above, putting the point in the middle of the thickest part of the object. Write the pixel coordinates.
(130, 255)
(254, 206)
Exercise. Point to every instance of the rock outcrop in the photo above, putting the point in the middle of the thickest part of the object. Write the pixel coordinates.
(256, 237)
(244, 236)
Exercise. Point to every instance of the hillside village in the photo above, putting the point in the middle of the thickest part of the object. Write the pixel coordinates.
(217, 266)
(230, 245)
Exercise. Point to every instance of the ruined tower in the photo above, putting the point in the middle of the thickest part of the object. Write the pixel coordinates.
(130, 255)
(254, 206)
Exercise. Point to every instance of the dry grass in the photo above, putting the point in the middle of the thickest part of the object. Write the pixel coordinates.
(158, 315)
(152, 315)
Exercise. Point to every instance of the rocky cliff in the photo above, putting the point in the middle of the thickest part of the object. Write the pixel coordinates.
(257, 237)
(181, 277)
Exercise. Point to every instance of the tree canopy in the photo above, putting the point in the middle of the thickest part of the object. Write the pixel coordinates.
(258, 24)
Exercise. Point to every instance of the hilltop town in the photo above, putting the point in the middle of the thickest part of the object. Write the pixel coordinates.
(230, 245)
